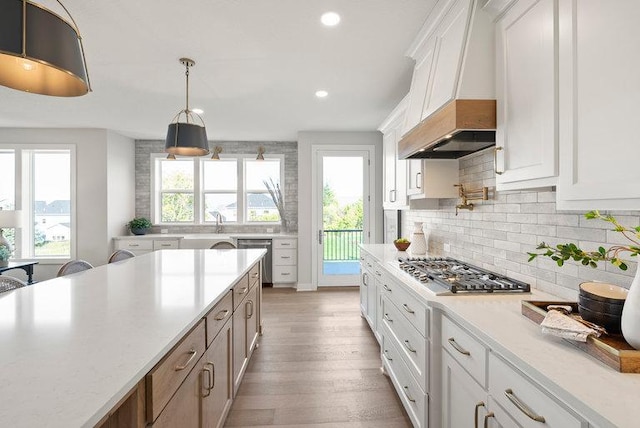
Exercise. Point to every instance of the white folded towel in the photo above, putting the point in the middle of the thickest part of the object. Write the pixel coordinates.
(558, 324)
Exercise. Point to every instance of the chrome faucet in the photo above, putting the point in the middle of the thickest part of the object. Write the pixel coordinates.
(218, 223)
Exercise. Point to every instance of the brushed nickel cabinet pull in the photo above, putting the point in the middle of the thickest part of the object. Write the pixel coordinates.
(392, 195)
(242, 290)
(386, 287)
(285, 257)
(522, 407)
(495, 160)
(213, 374)
(457, 347)
(134, 245)
(407, 308)
(250, 302)
(207, 389)
(364, 279)
(408, 346)
(475, 414)
(193, 353)
(386, 316)
(386, 351)
(221, 315)
(285, 274)
(486, 419)
(405, 389)
(285, 244)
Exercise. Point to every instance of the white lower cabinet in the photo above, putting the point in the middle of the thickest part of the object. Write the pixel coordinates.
(285, 260)
(481, 389)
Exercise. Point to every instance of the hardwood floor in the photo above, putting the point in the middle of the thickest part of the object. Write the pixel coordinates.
(318, 365)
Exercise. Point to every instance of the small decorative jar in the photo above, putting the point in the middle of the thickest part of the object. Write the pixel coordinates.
(418, 241)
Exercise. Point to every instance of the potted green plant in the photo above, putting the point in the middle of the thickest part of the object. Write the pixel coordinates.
(570, 251)
(139, 225)
(5, 254)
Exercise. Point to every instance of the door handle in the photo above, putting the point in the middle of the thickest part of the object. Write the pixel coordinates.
(392, 195)
(320, 233)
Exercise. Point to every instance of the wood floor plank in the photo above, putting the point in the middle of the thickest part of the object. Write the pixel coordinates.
(318, 366)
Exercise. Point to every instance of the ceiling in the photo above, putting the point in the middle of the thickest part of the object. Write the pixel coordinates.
(258, 65)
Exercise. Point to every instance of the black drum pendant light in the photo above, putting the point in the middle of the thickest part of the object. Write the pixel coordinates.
(40, 52)
(187, 138)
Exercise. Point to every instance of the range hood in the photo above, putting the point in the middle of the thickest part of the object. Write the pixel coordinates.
(459, 128)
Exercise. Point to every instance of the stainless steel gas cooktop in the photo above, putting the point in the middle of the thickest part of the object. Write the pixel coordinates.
(457, 277)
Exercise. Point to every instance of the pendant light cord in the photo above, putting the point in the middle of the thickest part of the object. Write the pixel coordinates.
(187, 111)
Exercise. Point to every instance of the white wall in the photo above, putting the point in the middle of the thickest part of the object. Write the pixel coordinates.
(121, 197)
(92, 202)
(306, 232)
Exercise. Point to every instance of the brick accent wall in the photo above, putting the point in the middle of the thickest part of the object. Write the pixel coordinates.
(499, 232)
(144, 149)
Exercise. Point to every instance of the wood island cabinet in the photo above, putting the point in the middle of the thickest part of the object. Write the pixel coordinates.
(193, 386)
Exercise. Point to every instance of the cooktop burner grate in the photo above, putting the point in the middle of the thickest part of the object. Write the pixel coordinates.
(458, 276)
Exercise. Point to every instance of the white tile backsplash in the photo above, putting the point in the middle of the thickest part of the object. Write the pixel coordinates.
(499, 232)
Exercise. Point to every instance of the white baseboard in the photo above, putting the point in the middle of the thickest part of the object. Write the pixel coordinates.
(285, 285)
(306, 287)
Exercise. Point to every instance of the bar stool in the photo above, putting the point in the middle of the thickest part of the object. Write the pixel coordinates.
(74, 266)
(119, 255)
(8, 283)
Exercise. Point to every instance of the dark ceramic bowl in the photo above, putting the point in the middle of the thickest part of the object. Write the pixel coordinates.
(600, 306)
(604, 292)
(610, 322)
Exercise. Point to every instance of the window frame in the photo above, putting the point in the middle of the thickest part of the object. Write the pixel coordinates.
(24, 197)
(199, 192)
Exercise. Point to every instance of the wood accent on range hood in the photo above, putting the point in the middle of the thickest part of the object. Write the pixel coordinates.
(454, 117)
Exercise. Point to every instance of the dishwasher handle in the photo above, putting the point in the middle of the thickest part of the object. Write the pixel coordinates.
(255, 242)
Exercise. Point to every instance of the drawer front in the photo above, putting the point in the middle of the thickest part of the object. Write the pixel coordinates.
(285, 274)
(219, 315)
(134, 244)
(524, 400)
(284, 243)
(165, 245)
(466, 349)
(240, 290)
(413, 398)
(285, 257)
(254, 275)
(414, 310)
(413, 347)
(165, 378)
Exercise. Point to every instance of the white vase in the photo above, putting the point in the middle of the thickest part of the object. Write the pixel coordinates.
(631, 313)
(418, 241)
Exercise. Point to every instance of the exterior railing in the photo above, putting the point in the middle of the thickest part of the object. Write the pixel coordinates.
(342, 244)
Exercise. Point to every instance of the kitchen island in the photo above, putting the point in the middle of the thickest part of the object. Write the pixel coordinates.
(476, 348)
(74, 347)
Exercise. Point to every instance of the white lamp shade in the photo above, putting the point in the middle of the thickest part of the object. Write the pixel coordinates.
(10, 218)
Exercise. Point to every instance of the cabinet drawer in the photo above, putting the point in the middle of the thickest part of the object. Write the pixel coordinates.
(466, 349)
(413, 398)
(165, 378)
(134, 244)
(285, 243)
(240, 290)
(524, 400)
(412, 345)
(165, 245)
(219, 315)
(414, 310)
(285, 258)
(285, 273)
(254, 275)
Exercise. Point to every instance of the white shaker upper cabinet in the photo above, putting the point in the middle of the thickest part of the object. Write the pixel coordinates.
(526, 76)
(599, 104)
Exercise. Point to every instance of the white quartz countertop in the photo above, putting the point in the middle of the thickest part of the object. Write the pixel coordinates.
(208, 236)
(601, 394)
(72, 347)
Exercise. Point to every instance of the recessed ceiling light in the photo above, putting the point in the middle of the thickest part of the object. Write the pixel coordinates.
(197, 111)
(322, 94)
(330, 19)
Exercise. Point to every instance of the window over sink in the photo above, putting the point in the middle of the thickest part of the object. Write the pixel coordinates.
(201, 190)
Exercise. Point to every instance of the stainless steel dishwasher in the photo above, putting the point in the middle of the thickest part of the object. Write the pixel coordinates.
(266, 262)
